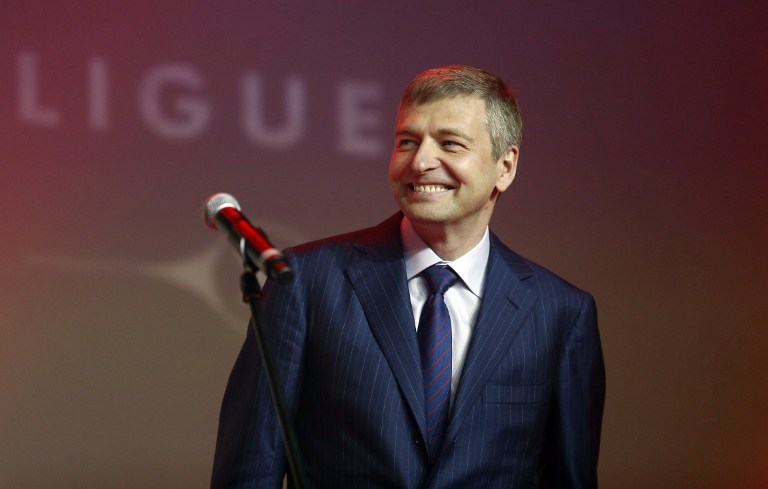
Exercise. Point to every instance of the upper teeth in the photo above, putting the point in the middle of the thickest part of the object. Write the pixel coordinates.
(429, 188)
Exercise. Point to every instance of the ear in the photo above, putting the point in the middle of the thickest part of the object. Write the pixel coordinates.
(507, 168)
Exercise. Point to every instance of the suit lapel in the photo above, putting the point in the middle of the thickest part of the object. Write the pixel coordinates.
(378, 278)
(506, 302)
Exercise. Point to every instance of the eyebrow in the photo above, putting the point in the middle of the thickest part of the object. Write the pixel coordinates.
(448, 131)
(455, 132)
(405, 132)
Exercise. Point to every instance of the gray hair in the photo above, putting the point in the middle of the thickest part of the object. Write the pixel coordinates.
(502, 115)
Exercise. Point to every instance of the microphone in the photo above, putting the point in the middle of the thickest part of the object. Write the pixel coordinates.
(221, 211)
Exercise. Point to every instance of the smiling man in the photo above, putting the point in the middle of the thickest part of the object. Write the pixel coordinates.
(422, 352)
(445, 175)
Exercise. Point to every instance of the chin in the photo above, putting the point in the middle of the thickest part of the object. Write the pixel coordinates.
(424, 215)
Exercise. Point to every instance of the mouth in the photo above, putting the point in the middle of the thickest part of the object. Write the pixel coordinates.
(429, 189)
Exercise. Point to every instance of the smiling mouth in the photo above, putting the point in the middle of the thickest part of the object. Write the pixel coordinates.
(429, 189)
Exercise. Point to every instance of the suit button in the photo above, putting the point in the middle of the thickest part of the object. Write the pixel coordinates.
(417, 441)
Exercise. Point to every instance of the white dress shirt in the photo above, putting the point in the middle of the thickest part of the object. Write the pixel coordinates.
(462, 300)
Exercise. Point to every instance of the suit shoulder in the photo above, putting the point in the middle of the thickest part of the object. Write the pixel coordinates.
(337, 242)
(530, 269)
(382, 236)
(548, 274)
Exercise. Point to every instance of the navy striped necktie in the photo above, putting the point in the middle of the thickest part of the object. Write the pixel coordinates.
(434, 335)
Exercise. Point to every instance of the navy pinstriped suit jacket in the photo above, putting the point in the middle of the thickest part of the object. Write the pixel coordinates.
(527, 412)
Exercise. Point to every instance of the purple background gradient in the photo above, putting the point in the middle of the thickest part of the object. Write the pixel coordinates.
(642, 179)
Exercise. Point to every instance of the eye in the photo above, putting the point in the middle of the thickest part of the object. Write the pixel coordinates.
(405, 144)
(452, 145)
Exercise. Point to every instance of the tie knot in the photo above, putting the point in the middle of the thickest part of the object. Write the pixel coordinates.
(439, 278)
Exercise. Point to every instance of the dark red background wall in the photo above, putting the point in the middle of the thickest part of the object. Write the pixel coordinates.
(642, 179)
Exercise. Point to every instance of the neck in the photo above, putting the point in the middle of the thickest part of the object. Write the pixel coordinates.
(449, 242)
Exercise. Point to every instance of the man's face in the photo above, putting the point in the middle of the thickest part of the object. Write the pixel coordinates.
(441, 171)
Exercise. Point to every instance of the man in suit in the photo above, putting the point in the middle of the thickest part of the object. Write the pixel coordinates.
(509, 394)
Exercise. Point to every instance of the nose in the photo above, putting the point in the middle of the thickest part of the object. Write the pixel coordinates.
(426, 157)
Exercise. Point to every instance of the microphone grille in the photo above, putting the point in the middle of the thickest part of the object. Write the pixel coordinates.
(214, 204)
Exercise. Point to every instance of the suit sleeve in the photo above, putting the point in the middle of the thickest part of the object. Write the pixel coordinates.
(249, 446)
(580, 396)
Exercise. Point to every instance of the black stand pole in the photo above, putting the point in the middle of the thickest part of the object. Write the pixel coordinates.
(252, 295)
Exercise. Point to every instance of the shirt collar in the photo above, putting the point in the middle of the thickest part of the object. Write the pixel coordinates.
(470, 267)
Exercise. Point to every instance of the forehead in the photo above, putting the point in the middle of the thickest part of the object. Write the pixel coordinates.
(463, 111)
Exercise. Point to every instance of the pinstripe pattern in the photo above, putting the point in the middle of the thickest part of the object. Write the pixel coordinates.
(526, 414)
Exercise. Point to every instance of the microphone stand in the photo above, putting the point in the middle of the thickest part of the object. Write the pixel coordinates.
(252, 294)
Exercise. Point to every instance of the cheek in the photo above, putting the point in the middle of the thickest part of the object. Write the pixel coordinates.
(396, 168)
(392, 175)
